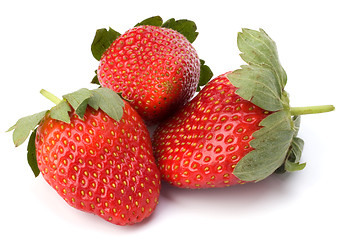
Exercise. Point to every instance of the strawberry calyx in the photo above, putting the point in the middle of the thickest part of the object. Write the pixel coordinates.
(262, 81)
(101, 98)
(104, 38)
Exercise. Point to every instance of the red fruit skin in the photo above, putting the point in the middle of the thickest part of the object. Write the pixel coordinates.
(99, 165)
(156, 68)
(201, 144)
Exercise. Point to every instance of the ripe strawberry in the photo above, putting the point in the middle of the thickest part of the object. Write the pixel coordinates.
(238, 128)
(153, 65)
(95, 163)
(200, 146)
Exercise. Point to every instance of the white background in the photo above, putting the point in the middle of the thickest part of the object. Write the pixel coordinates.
(46, 44)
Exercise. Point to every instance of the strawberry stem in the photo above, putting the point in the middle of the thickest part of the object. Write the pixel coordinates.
(295, 111)
(50, 96)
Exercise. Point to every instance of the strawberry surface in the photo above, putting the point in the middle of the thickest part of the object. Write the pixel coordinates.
(201, 144)
(100, 165)
(156, 68)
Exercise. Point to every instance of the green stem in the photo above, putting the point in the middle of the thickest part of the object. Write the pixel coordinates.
(50, 96)
(294, 111)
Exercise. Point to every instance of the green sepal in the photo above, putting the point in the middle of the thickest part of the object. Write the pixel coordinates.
(24, 126)
(205, 75)
(152, 21)
(186, 27)
(95, 79)
(104, 98)
(102, 41)
(259, 49)
(107, 100)
(262, 81)
(79, 100)
(61, 112)
(260, 86)
(31, 154)
(292, 159)
(271, 144)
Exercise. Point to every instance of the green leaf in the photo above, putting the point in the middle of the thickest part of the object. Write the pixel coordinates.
(258, 85)
(205, 74)
(31, 154)
(109, 101)
(102, 41)
(263, 80)
(95, 79)
(259, 49)
(24, 126)
(152, 21)
(271, 144)
(61, 112)
(79, 100)
(297, 122)
(185, 27)
(294, 155)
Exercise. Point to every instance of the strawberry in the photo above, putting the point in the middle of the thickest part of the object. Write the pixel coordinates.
(153, 65)
(239, 128)
(95, 151)
(201, 145)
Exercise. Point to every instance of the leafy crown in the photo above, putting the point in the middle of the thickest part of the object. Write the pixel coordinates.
(102, 98)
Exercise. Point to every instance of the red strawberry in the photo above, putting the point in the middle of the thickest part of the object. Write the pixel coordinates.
(238, 128)
(95, 163)
(155, 67)
(200, 146)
